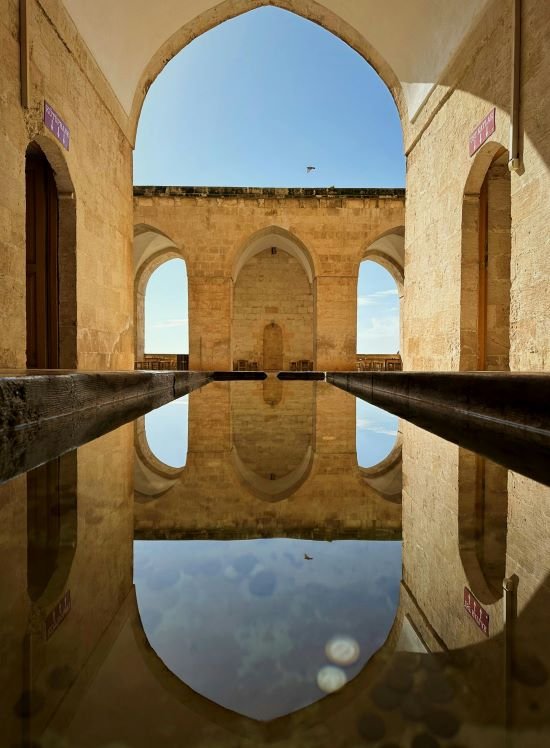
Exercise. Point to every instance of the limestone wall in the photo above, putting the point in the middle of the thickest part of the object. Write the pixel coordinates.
(439, 171)
(272, 289)
(93, 177)
(214, 227)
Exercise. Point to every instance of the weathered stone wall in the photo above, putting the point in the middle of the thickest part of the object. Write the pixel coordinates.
(213, 227)
(439, 170)
(272, 288)
(94, 176)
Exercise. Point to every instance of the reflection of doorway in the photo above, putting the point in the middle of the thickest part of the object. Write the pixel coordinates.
(273, 347)
(483, 523)
(51, 526)
(42, 263)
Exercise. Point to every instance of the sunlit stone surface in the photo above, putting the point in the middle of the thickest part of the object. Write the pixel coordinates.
(299, 616)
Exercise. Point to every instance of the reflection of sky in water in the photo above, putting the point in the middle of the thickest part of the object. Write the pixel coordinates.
(376, 432)
(166, 429)
(246, 622)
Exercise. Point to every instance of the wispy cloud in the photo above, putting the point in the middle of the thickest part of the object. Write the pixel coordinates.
(169, 323)
(377, 298)
(378, 334)
(365, 424)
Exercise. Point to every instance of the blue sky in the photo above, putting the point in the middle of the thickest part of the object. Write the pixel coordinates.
(253, 102)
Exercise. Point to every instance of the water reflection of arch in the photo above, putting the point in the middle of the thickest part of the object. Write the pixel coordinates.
(152, 477)
(386, 477)
(272, 416)
(326, 708)
(152, 248)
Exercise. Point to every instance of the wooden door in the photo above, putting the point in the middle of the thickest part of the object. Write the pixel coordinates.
(273, 347)
(42, 263)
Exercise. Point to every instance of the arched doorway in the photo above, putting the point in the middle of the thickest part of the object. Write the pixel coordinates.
(485, 266)
(42, 262)
(50, 259)
(161, 310)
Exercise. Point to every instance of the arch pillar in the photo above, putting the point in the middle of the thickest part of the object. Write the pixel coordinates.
(210, 305)
(336, 322)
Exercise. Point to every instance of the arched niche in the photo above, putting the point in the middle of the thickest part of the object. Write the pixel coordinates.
(274, 236)
(485, 273)
(273, 312)
(152, 249)
(51, 304)
(482, 524)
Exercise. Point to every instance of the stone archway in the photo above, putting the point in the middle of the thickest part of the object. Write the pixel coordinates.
(152, 249)
(485, 280)
(273, 317)
(388, 251)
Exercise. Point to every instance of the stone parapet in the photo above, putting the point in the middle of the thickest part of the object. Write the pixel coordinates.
(44, 414)
(502, 415)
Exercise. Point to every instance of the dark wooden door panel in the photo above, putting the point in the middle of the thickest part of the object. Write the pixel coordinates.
(42, 264)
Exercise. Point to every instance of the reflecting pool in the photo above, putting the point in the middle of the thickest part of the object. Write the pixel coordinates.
(273, 588)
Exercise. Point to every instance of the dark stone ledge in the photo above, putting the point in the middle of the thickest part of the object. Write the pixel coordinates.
(238, 376)
(45, 414)
(316, 376)
(502, 415)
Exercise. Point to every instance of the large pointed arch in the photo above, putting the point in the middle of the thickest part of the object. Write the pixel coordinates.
(224, 11)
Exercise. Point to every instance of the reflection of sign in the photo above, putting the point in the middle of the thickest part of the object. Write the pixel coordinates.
(483, 131)
(56, 617)
(479, 614)
(54, 123)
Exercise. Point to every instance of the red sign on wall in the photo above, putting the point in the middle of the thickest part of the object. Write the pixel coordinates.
(483, 131)
(55, 124)
(478, 613)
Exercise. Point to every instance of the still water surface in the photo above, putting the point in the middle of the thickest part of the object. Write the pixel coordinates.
(281, 567)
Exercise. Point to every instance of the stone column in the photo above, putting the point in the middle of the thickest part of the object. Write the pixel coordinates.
(210, 323)
(336, 322)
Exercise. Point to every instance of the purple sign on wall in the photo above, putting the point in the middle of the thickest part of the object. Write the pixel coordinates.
(54, 123)
(482, 132)
(478, 613)
(56, 616)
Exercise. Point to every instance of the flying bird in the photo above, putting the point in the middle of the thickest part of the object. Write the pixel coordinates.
(310, 168)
